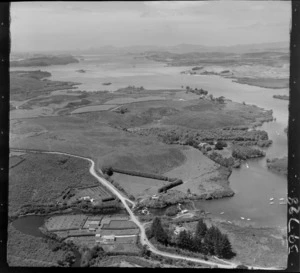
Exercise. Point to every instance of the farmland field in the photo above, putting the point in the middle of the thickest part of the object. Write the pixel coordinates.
(131, 100)
(118, 224)
(119, 232)
(92, 221)
(138, 186)
(90, 135)
(15, 160)
(122, 248)
(83, 241)
(200, 174)
(93, 108)
(64, 222)
(126, 240)
(97, 193)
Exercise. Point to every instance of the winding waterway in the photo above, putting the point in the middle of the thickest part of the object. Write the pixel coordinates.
(254, 185)
(30, 225)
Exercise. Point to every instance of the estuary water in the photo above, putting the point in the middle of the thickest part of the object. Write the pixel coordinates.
(253, 183)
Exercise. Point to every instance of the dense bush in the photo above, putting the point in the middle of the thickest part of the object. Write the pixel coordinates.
(220, 145)
(244, 152)
(220, 99)
(206, 241)
(223, 161)
(158, 232)
(198, 91)
(108, 170)
(172, 211)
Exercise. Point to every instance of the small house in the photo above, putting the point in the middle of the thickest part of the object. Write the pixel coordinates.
(202, 145)
(178, 230)
(85, 198)
(106, 239)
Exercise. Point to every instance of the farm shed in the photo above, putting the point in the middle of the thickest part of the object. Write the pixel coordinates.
(106, 239)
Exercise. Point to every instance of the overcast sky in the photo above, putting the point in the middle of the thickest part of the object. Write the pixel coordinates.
(80, 25)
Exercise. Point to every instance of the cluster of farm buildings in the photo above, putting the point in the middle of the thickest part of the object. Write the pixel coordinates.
(92, 230)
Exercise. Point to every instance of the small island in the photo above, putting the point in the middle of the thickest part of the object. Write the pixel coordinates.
(106, 83)
(81, 71)
(281, 97)
(278, 165)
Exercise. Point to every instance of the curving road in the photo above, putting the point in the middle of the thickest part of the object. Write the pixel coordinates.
(143, 238)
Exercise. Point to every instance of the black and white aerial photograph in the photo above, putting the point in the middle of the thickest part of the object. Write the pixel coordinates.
(149, 134)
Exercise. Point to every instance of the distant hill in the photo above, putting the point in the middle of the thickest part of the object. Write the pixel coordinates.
(188, 48)
(180, 49)
(44, 60)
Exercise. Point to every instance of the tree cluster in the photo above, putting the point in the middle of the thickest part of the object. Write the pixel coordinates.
(92, 256)
(157, 231)
(108, 170)
(244, 152)
(220, 145)
(223, 161)
(196, 90)
(67, 260)
(172, 211)
(208, 241)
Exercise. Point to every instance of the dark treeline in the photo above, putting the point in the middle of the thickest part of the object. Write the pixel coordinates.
(171, 185)
(83, 206)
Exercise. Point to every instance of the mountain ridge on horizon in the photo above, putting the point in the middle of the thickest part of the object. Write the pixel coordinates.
(179, 48)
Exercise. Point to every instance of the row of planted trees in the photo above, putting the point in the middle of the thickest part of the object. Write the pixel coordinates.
(207, 241)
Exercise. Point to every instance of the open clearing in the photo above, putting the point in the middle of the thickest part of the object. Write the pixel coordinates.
(86, 135)
(121, 248)
(65, 222)
(138, 186)
(93, 108)
(96, 192)
(119, 224)
(262, 246)
(200, 174)
(126, 100)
